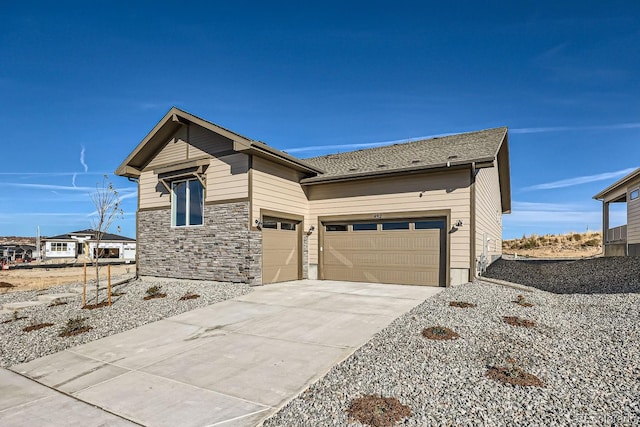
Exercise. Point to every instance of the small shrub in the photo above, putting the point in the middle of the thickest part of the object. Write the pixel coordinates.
(74, 327)
(520, 300)
(461, 304)
(519, 321)
(592, 242)
(188, 296)
(57, 303)
(14, 317)
(377, 411)
(439, 333)
(512, 375)
(94, 306)
(154, 292)
(6, 285)
(531, 243)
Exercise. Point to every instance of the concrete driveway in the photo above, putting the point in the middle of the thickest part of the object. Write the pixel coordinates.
(230, 364)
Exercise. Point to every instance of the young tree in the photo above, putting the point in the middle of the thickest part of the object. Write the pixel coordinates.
(107, 203)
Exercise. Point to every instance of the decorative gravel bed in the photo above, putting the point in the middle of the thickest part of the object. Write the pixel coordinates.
(128, 310)
(579, 364)
(610, 275)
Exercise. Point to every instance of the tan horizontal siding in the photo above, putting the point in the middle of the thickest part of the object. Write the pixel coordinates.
(397, 194)
(228, 178)
(277, 188)
(488, 212)
(174, 150)
(633, 215)
(152, 193)
(203, 142)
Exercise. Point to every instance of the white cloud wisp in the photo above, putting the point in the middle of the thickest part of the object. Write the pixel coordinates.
(579, 180)
(82, 162)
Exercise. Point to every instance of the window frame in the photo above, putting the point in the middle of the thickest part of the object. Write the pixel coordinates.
(59, 246)
(635, 191)
(187, 201)
(393, 225)
(364, 226)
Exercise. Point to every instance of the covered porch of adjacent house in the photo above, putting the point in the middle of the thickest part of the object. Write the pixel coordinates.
(621, 207)
(614, 239)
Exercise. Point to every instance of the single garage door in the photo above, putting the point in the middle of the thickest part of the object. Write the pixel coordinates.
(281, 255)
(411, 252)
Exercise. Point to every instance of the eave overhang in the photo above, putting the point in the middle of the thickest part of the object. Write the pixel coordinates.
(615, 190)
(481, 163)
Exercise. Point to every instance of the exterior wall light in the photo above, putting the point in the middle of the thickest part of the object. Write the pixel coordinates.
(311, 229)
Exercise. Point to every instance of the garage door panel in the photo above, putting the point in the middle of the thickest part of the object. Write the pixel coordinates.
(404, 258)
(399, 256)
(385, 275)
(280, 255)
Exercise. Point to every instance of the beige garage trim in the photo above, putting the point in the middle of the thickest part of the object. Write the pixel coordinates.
(281, 254)
(402, 251)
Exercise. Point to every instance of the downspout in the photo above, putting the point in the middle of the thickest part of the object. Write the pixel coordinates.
(137, 181)
(472, 220)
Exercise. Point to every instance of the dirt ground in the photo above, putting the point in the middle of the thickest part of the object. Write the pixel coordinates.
(556, 252)
(42, 278)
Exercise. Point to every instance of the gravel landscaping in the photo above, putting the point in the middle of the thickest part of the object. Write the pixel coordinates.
(579, 364)
(610, 275)
(128, 310)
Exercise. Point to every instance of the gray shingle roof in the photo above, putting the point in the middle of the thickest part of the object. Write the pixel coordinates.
(93, 233)
(424, 154)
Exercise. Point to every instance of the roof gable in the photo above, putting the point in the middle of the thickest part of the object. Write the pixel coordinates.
(174, 120)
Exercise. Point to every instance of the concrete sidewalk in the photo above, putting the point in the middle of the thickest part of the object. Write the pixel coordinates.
(231, 364)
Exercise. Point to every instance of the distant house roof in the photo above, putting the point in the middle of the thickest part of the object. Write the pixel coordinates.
(460, 149)
(92, 233)
(618, 189)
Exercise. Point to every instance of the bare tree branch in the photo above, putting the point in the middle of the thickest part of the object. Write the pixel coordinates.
(107, 203)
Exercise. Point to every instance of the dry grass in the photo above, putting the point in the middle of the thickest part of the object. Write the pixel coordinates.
(570, 245)
(43, 278)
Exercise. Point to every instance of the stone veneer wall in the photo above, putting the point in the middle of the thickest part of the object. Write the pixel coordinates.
(305, 255)
(223, 249)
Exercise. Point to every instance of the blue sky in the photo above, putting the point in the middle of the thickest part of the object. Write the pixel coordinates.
(81, 83)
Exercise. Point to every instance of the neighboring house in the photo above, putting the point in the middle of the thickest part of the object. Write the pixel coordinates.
(17, 253)
(83, 243)
(625, 239)
(216, 205)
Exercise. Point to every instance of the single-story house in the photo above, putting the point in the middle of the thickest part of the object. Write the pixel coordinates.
(216, 205)
(83, 243)
(625, 239)
(17, 253)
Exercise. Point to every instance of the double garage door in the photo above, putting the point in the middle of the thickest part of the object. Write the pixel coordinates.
(411, 252)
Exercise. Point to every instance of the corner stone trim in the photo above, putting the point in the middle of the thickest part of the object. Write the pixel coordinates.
(223, 249)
